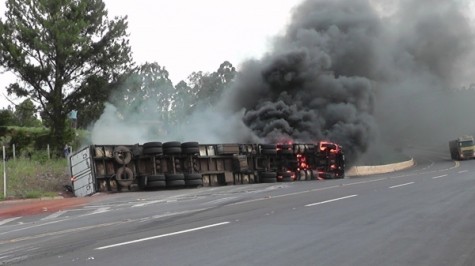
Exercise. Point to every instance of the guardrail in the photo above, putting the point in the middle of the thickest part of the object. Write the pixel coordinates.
(378, 169)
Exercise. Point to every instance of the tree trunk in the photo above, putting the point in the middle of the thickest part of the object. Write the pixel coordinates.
(58, 133)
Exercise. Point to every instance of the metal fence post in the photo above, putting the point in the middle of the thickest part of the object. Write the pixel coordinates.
(4, 175)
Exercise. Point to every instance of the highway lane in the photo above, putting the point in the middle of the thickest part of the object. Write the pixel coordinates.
(420, 216)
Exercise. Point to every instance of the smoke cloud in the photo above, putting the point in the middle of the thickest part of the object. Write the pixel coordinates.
(357, 72)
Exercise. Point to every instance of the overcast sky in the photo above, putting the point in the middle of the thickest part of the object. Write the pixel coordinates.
(186, 35)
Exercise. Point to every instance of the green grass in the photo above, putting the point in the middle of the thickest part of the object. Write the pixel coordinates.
(34, 179)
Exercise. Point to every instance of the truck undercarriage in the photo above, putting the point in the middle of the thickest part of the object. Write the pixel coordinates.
(156, 165)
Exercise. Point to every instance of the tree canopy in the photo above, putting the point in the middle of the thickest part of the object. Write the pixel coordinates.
(25, 114)
(66, 54)
(210, 86)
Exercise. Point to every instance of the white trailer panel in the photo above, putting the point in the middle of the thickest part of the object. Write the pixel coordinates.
(82, 177)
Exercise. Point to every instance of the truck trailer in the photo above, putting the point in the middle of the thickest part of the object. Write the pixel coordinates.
(157, 165)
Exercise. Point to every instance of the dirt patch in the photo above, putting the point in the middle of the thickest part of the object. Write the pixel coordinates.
(15, 208)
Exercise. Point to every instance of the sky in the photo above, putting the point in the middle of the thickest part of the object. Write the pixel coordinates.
(186, 36)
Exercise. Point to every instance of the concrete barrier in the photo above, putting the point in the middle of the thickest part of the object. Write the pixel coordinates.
(378, 169)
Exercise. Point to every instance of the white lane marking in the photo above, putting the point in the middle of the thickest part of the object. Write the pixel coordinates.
(364, 182)
(435, 177)
(176, 213)
(327, 201)
(98, 211)
(463, 171)
(161, 236)
(101, 210)
(216, 201)
(401, 185)
(54, 215)
(147, 203)
(9, 220)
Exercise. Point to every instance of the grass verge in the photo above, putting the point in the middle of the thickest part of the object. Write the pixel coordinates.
(33, 179)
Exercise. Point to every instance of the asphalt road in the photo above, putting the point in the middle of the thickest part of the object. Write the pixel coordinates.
(420, 216)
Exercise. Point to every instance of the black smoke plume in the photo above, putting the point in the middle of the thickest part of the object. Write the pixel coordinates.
(358, 72)
(317, 82)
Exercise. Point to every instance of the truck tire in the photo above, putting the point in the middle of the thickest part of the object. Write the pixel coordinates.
(268, 177)
(153, 151)
(268, 180)
(191, 144)
(152, 178)
(172, 150)
(154, 144)
(194, 176)
(156, 184)
(286, 149)
(124, 176)
(170, 144)
(173, 177)
(269, 151)
(268, 146)
(285, 177)
(122, 155)
(176, 183)
(194, 182)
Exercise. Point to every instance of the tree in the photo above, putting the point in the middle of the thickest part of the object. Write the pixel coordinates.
(25, 114)
(209, 87)
(65, 52)
(184, 102)
(6, 118)
(147, 92)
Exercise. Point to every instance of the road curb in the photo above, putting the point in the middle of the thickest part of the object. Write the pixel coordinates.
(378, 169)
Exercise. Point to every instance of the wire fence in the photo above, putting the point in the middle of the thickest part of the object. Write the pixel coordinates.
(13, 152)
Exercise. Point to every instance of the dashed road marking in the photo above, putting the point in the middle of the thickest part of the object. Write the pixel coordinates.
(2, 222)
(435, 177)
(332, 200)
(147, 203)
(54, 215)
(401, 185)
(101, 210)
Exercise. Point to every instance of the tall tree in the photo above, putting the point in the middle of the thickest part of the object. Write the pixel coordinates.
(147, 92)
(65, 52)
(184, 102)
(210, 86)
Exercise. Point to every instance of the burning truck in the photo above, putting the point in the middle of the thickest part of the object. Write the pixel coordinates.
(157, 165)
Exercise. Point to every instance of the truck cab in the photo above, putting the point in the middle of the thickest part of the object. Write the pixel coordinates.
(462, 148)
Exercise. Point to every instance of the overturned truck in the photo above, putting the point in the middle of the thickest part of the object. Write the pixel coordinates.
(157, 165)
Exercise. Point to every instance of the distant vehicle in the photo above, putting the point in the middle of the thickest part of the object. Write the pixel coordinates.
(462, 148)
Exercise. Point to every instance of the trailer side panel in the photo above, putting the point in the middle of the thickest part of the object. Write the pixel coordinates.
(81, 173)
